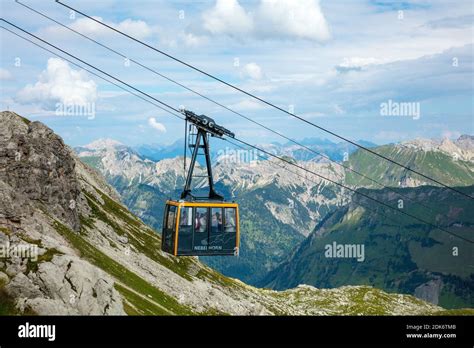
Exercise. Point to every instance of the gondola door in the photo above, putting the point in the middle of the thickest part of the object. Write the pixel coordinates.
(169, 229)
(201, 229)
(185, 233)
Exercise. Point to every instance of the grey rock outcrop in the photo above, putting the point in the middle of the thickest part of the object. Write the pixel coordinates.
(66, 285)
(39, 185)
(430, 291)
(37, 166)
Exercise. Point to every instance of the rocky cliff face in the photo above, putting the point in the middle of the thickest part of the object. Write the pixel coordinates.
(68, 246)
(40, 186)
(36, 166)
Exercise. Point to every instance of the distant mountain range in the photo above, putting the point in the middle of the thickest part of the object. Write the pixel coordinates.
(157, 152)
(335, 151)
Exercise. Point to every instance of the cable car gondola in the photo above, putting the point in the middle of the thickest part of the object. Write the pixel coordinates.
(201, 226)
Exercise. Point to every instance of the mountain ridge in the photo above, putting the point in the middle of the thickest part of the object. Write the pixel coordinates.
(96, 258)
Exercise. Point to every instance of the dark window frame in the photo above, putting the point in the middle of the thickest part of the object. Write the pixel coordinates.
(207, 218)
(234, 214)
(222, 220)
(173, 228)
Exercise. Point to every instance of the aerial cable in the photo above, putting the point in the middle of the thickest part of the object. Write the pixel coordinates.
(239, 140)
(266, 102)
(224, 106)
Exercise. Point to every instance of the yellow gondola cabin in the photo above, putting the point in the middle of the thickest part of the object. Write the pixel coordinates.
(201, 228)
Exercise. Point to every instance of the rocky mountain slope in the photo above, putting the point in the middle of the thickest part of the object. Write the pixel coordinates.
(461, 148)
(400, 254)
(70, 247)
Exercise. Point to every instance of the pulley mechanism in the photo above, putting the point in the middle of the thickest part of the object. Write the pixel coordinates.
(201, 127)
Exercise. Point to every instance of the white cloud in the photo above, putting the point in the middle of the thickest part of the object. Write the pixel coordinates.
(227, 17)
(405, 80)
(302, 19)
(5, 74)
(252, 70)
(160, 127)
(60, 83)
(451, 22)
(275, 19)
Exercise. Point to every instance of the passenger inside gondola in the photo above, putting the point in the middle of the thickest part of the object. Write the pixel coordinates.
(216, 221)
(230, 220)
(201, 220)
(171, 221)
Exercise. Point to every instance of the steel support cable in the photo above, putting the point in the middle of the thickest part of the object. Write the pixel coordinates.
(265, 101)
(240, 141)
(431, 209)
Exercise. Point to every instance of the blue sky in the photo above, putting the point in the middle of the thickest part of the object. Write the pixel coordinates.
(333, 62)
